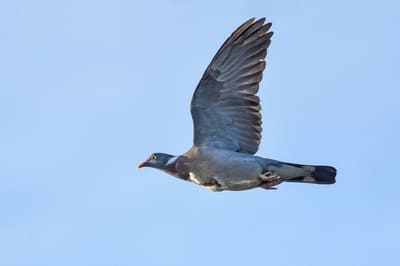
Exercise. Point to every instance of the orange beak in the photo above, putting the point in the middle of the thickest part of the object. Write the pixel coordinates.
(141, 165)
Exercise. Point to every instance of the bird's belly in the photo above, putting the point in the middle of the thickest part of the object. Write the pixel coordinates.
(225, 170)
(238, 183)
(220, 183)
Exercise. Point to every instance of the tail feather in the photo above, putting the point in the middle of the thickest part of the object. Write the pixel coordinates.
(316, 174)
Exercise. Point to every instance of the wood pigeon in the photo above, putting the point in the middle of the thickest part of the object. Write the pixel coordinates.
(227, 123)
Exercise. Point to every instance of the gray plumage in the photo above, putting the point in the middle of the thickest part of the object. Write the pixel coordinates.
(227, 123)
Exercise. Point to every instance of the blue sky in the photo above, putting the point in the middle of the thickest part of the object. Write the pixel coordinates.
(90, 88)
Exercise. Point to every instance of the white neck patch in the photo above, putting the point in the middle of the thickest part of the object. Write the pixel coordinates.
(172, 160)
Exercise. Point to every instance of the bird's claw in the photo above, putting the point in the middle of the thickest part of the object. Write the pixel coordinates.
(269, 180)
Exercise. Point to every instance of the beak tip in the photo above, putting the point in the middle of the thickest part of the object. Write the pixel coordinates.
(140, 165)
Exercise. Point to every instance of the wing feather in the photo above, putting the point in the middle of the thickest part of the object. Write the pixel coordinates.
(225, 108)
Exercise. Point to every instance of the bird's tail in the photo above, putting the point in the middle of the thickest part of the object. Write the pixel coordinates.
(316, 174)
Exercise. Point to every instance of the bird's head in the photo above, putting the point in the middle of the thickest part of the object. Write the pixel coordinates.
(156, 160)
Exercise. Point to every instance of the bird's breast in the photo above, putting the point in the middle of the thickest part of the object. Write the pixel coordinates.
(194, 178)
(210, 183)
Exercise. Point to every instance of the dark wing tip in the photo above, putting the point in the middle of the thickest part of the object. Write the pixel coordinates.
(249, 21)
(250, 30)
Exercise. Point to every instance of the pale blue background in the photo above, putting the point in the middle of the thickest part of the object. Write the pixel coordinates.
(90, 88)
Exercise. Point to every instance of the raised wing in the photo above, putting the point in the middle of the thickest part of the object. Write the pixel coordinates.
(225, 108)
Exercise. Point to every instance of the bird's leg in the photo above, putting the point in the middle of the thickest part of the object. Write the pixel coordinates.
(269, 180)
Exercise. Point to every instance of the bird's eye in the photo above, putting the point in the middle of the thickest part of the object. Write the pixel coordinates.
(153, 158)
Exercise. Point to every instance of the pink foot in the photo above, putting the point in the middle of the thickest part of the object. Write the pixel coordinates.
(269, 180)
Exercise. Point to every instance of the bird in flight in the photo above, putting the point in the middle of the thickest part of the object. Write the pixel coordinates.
(227, 123)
